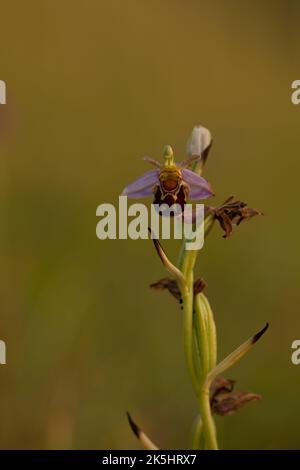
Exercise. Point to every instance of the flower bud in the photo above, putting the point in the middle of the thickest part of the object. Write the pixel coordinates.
(198, 145)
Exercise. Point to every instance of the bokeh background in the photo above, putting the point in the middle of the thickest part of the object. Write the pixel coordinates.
(92, 86)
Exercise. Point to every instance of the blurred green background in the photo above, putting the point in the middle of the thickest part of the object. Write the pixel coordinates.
(92, 86)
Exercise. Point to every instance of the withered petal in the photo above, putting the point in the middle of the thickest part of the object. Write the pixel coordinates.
(224, 401)
(232, 213)
(199, 285)
(225, 223)
(226, 404)
(221, 385)
(169, 284)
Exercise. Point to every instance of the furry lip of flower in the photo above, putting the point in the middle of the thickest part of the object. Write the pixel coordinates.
(172, 183)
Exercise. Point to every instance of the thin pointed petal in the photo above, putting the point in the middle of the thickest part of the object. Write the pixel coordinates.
(142, 437)
(152, 161)
(235, 356)
(199, 188)
(199, 141)
(188, 162)
(143, 186)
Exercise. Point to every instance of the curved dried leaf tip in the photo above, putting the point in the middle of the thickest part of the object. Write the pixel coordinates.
(258, 335)
(235, 356)
(173, 270)
(141, 436)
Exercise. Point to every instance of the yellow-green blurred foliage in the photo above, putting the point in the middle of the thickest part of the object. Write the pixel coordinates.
(92, 86)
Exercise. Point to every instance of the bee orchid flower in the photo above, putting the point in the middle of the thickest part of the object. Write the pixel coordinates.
(170, 183)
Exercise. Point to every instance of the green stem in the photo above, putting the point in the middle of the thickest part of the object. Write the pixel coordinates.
(188, 331)
(188, 263)
(209, 429)
(208, 225)
(197, 434)
(207, 346)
